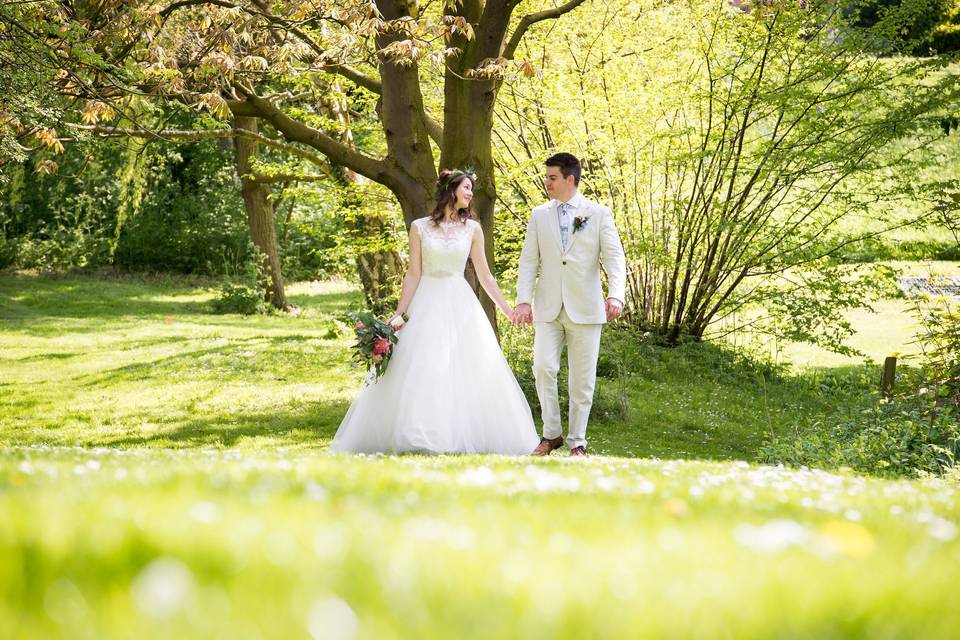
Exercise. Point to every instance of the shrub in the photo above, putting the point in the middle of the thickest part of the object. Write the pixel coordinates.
(191, 218)
(916, 431)
(939, 341)
(8, 252)
(310, 250)
(246, 294)
(240, 298)
(899, 437)
(61, 248)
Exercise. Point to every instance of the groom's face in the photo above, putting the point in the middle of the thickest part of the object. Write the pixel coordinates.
(556, 185)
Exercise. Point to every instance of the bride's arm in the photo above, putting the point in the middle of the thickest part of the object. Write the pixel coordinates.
(487, 281)
(410, 281)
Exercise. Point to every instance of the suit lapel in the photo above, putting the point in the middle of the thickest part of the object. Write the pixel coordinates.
(553, 223)
(584, 210)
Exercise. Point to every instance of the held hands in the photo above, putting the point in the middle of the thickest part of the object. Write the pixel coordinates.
(614, 309)
(522, 315)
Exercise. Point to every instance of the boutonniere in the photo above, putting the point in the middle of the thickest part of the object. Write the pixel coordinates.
(580, 222)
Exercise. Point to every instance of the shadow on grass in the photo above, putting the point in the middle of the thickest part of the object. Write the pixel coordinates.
(335, 302)
(700, 400)
(309, 424)
(697, 400)
(42, 305)
(61, 355)
(285, 357)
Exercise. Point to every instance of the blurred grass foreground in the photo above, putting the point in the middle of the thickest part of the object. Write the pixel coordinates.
(152, 543)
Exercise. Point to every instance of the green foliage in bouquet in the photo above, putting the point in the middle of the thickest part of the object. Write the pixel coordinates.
(375, 341)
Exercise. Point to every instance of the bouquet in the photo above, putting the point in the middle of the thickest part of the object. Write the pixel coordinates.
(375, 341)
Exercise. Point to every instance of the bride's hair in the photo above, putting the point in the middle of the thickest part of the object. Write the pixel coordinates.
(447, 184)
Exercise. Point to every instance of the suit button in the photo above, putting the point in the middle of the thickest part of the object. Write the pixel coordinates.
(564, 262)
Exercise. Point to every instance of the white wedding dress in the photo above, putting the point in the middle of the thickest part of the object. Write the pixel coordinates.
(448, 388)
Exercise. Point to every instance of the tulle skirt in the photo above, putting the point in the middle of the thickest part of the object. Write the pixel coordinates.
(447, 389)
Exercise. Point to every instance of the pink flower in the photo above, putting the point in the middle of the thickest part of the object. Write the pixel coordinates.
(381, 346)
(359, 326)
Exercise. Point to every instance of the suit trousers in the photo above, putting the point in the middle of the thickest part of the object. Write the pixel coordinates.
(583, 349)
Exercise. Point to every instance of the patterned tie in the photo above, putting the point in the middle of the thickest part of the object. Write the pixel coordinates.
(564, 215)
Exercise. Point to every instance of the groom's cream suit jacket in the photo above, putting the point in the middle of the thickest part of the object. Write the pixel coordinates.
(571, 279)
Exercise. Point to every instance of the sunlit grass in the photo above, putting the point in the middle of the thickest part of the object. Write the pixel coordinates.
(149, 363)
(890, 328)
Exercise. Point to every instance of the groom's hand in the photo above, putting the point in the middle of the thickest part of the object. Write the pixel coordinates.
(614, 309)
(522, 314)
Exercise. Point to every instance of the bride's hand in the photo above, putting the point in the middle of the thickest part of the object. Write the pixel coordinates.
(396, 322)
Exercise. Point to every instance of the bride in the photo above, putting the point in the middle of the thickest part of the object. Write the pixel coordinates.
(448, 388)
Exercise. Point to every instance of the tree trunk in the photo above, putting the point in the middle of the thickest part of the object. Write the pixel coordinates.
(259, 213)
(403, 117)
(468, 125)
(379, 271)
(468, 121)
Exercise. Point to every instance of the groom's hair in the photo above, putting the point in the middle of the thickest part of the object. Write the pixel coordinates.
(568, 165)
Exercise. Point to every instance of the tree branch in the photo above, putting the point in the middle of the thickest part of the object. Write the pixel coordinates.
(166, 11)
(295, 131)
(180, 135)
(434, 129)
(370, 84)
(287, 177)
(531, 19)
(344, 70)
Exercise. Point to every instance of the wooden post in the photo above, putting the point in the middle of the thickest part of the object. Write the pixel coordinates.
(889, 375)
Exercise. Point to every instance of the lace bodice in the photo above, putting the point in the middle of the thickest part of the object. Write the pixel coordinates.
(444, 248)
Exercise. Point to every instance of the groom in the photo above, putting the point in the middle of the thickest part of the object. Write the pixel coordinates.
(567, 240)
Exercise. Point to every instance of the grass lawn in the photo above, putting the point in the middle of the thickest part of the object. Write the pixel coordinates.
(164, 473)
(116, 363)
(887, 330)
(119, 363)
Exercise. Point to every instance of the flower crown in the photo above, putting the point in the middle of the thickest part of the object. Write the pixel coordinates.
(454, 175)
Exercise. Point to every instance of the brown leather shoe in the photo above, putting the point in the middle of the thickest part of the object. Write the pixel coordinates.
(547, 445)
(578, 452)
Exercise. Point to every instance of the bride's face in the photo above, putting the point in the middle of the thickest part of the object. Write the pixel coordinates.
(464, 193)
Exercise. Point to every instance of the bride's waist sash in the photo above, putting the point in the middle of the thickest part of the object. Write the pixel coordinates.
(439, 275)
